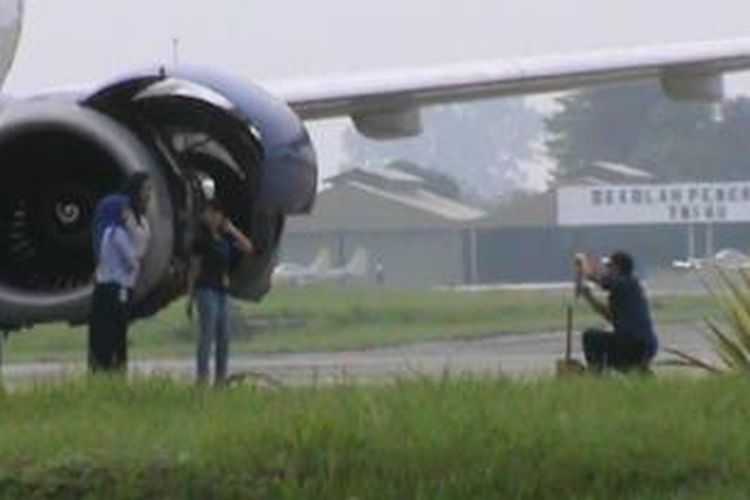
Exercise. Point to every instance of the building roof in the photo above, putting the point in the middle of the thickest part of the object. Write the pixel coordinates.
(383, 200)
(388, 178)
(427, 201)
(605, 172)
(623, 170)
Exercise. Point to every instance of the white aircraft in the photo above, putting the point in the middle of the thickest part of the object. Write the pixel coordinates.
(292, 273)
(321, 271)
(185, 125)
(727, 258)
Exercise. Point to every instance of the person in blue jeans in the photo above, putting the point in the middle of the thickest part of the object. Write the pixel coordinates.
(208, 283)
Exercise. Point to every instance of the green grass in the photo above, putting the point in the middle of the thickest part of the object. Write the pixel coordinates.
(331, 318)
(453, 438)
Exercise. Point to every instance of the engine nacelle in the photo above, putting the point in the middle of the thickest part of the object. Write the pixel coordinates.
(59, 157)
(56, 161)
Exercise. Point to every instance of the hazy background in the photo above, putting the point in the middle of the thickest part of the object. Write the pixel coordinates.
(85, 41)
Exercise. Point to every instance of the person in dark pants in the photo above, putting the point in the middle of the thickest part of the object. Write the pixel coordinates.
(121, 236)
(632, 342)
(208, 282)
(138, 189)
(116, 265)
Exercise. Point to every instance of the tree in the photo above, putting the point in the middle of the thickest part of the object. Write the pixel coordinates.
(437, 182)
(732, 139)
(634, 124)
(601, 124)
(483, 146)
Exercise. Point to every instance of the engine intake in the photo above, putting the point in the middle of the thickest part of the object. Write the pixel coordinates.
(56, 161)
(59, 155)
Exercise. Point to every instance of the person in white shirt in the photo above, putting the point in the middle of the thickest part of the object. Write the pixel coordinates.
(121, 239)
(115, 271)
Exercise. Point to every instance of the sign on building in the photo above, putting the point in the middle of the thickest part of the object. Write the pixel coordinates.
(654, 204)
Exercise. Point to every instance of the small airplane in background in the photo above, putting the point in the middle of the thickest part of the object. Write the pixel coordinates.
(293, 273)
(321, 270)
(728, 258)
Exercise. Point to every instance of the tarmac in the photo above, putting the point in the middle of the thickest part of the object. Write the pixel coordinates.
(523, 356)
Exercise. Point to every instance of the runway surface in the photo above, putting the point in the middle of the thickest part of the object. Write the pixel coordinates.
(528, 355)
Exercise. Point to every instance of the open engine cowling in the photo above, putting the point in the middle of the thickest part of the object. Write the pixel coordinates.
(59, 155)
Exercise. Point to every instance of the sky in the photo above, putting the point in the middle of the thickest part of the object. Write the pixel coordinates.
(74, 42)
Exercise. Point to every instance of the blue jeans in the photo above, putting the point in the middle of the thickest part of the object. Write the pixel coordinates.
(212, 312)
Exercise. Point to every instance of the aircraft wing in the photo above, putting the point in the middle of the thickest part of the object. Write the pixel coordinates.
(384, 104)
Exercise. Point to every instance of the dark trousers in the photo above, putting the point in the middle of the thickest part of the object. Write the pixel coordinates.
(108, 330)
(605, 350)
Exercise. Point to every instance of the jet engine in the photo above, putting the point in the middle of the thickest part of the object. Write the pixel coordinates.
(60, 154)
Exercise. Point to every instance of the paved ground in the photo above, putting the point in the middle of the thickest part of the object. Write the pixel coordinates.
(518, 355)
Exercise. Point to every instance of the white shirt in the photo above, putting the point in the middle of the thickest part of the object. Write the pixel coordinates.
(117, 261)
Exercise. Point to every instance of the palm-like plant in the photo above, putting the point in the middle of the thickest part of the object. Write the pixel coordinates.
(730, 337)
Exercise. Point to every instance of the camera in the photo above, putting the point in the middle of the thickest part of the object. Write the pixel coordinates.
(582, 268)
(582, 264)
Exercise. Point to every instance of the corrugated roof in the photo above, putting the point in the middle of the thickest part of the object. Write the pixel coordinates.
(592, 181)
(623, 170)
(387, 174)
(604, 173)
(426, 201)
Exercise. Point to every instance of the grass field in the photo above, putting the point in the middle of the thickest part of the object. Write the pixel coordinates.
(331, 318)
(448, 439)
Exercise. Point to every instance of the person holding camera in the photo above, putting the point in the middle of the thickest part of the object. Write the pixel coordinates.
(632, 343)
(208, 285)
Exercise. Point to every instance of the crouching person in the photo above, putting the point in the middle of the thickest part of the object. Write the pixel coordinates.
(631, 344)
